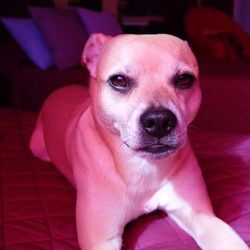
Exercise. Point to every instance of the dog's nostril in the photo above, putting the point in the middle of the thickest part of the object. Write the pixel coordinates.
(149, 123)
(158, 122)
(169, 122)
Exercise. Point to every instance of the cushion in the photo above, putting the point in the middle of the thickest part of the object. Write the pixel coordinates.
(63, 32)
(99, 22)
(28, 37)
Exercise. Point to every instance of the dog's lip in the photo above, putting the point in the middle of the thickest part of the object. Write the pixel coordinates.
(157, 148)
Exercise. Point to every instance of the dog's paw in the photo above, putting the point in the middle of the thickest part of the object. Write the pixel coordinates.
(160, 199)
(151, 205)
(112, 244)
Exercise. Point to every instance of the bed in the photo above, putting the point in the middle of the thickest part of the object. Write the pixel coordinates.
(37, 203)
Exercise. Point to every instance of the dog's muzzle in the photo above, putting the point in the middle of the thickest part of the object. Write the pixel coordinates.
(158, 132)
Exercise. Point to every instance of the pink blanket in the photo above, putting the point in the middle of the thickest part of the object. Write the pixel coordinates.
(37, 203)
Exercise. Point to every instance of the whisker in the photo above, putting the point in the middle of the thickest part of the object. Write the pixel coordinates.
(194, 127)
(122, 142)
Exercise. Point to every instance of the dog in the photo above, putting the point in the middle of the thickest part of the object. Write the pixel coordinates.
(123, 142)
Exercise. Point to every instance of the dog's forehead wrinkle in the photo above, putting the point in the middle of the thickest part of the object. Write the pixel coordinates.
(160, 50)
(163, 66)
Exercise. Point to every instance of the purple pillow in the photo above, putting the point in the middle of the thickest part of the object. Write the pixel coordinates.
(99, 22)
(28, 37)
(64, 33)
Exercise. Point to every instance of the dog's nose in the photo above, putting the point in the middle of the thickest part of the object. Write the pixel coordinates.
(158, 122)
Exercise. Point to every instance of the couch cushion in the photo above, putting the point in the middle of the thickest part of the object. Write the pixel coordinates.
(63, 32)
(99, 22)
(29, 38)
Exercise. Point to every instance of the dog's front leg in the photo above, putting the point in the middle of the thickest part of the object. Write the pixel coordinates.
(100, 216)
(210, 232)
(97, 229)
(184, 198)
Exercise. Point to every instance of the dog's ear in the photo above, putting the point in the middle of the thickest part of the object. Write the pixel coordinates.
(92, 51)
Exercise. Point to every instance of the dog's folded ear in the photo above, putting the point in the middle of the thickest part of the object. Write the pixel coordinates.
(92, 51)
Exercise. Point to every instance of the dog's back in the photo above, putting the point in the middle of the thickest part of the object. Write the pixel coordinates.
(61, 109)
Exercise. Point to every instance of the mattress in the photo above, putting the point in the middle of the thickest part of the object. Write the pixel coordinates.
(37, 204)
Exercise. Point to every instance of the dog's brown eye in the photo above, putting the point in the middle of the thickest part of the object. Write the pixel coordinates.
(184, 81)
(119, 82)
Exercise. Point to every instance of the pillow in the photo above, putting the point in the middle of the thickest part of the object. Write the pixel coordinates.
(64, 33)
(28, 37)
(99, 22)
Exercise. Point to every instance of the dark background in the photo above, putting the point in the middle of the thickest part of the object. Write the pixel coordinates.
(173, 11)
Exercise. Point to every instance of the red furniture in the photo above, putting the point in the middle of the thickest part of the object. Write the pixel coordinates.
(213, 34)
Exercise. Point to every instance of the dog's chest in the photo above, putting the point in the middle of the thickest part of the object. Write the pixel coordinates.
(144, 179)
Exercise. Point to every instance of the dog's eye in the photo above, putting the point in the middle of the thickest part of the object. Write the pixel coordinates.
(184, 81)
(119, 82)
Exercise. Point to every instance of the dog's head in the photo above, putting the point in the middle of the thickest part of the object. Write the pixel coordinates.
(145, 89)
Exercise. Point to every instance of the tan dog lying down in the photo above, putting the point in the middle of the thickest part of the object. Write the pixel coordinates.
(125, 149)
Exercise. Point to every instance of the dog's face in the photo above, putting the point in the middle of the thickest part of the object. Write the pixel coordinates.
(145, 89)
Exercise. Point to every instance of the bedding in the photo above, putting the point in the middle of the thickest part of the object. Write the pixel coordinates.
(37, 203)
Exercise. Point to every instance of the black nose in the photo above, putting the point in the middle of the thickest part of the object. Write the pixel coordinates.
(158, 122)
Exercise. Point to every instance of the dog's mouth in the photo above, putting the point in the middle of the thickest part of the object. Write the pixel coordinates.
(155, 151)
(157, 148)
